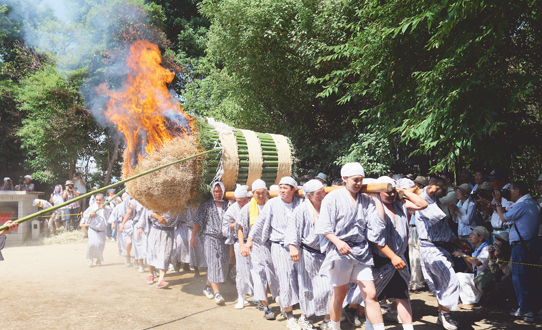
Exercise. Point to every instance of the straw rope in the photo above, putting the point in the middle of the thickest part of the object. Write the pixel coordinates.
(255, 156)
(284, 155)
(230, 157)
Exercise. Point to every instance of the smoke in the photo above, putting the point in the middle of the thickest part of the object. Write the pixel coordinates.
(90, 35)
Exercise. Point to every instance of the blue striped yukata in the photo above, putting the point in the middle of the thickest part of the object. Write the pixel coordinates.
(271, 226)
(260, 261)
(348, 221)
(217, 253)
(159, 238)
(183, 233)
(435, 260)
(139, 244)
(243, 279)
(116, 217)
(314, 289)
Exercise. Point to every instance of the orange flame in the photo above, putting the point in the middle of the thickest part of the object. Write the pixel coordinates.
(142, 107)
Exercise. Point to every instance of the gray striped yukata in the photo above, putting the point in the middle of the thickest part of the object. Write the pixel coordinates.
(217, 253)
(314, 289)
(116, 218)
(339, 216)
(243, 277)
(271, 226)
(436, 261)
(139, 244)
(159, 239)
(181, 243)
(96, 232)
(129, 224)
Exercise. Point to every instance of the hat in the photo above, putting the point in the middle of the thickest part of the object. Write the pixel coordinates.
(36, 202)
(274, 187)
(497, 174)
(110, 190)
(485, 186)
(405, 183)
(421, 180)
(465, 188)
(322, 176)
(482, 231)
(539, 178)
(68, 182)
(289, 181)
(28, 176)
(6, 178)
(240, 191)
(312, 186)
(503, 236)
(352, 169)
(258, 184)
(386, 179)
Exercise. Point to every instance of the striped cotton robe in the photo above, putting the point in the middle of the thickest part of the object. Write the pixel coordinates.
(314, 289)
(159, 238)
(271, 226)
(436, 261)
(261, 264)
(217, 253)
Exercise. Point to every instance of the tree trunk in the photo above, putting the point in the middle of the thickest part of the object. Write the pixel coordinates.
(112, 161)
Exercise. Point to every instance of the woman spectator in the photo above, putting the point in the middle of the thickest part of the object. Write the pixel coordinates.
(463, 212)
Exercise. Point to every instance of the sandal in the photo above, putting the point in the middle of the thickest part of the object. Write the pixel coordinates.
(150, 280)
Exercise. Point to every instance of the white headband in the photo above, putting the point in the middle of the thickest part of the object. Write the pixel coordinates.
(240, 191)
(352, 169)
(258, 184)
(312, 186)
(289, 181)
(213, 185)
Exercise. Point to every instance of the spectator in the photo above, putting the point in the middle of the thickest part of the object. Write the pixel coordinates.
(44, 205)
(81, 188)
(322, 178)
(500, 267)
(25, 184)
(71, 211)
(463, 212)
(499, 181)
(478, 179)
(8, 185)
(466, 177)
(450, 197)
(421, 182)
(482, 198)
(469, 293)
(57, 199)
(525, 217)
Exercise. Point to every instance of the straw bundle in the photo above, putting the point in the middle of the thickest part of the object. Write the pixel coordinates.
(170, 188)
(245, 157)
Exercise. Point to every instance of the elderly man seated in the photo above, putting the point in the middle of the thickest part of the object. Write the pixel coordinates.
(470, 295)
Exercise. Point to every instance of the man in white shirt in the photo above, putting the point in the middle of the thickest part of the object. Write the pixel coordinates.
(469, 293)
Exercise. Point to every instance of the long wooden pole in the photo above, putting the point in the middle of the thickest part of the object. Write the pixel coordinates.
(370, 188)
(54, 208)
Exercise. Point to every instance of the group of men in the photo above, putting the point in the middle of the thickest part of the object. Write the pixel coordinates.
(329, 253)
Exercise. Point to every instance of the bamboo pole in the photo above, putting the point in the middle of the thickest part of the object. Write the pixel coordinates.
(371, 188)
(54, 208)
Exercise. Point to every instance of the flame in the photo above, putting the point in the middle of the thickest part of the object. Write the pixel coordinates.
(143, 109)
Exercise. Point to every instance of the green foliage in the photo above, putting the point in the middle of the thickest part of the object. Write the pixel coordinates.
(57, 129)
(459, 79)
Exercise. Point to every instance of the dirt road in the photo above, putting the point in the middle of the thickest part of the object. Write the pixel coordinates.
(51, 287)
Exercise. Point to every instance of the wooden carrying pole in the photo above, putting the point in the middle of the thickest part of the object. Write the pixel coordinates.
(371, 188)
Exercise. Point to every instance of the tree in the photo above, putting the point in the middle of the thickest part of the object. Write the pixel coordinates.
(459, 79)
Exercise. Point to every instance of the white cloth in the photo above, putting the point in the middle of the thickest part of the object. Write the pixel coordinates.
(258, 184)
(80, 186)
(289, 181)
(469, 293)
(240, 191)
(312, 186)
(352, 169)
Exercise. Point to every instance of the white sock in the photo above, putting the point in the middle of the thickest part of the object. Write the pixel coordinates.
(335, 325)
(408, 327)
(301, 318)
(378, 326)
(241, 298)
